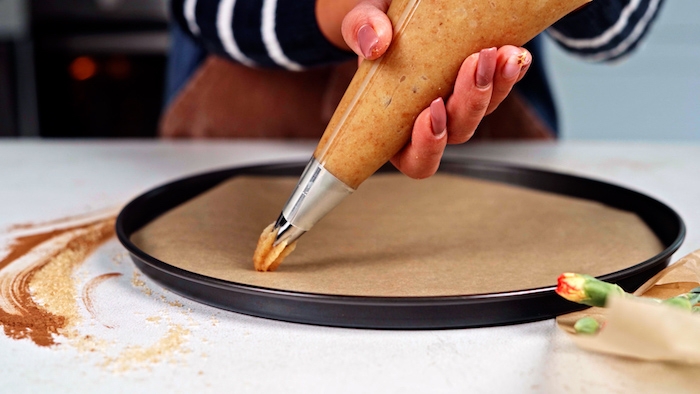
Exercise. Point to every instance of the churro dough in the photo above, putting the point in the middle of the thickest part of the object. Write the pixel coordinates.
(267, 256)
(446, 235)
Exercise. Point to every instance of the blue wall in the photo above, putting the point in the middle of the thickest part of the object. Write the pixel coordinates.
(652, 95)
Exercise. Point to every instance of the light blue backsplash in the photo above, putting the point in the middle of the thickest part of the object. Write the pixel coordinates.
(652, 95)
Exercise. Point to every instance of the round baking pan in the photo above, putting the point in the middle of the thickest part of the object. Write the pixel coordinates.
(473, 310)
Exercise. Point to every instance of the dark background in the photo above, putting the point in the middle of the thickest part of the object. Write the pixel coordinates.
(82, 68)
(653, 95)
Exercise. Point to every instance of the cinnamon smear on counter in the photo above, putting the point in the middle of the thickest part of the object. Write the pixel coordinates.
(23, 245)
(88, 290)
(89, 216)
(39, 295)
(20, 315)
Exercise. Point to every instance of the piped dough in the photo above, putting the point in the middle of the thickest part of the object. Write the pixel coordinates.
(267, 256)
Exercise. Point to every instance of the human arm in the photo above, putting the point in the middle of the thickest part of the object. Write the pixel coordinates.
(485, 79)
(267, 34)
(605, 30)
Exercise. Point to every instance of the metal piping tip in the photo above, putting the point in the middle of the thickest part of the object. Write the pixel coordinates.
(286, 231)
(317, 193)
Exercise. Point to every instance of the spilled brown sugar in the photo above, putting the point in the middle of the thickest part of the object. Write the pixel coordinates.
(161, 350)
(35, 305)
(39, 296)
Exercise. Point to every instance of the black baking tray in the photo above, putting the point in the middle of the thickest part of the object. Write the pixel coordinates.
(396, 312)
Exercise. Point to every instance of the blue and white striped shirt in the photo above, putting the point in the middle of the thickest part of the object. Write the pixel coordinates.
(284, 33)
(259, 33)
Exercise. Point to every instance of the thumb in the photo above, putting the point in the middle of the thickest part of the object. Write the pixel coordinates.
(367, 30)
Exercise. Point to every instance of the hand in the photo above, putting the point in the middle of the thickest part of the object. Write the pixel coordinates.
(483, 81)
(329, 17)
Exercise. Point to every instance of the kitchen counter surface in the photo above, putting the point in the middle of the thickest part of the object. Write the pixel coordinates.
(127, 334)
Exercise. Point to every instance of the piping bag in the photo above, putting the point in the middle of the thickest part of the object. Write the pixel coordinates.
(375, 117)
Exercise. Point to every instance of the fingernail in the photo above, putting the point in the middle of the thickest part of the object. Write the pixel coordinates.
(512, 67)
(524, 59)
(368, 40)
(438, 116)
(485, 67)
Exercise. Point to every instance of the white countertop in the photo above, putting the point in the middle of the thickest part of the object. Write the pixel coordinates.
(222, 351)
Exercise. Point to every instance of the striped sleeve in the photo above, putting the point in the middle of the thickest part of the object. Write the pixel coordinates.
(259, 33)
(605, 30)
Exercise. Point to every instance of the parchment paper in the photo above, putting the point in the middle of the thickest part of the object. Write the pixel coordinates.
(446, 235)
(647, 330)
